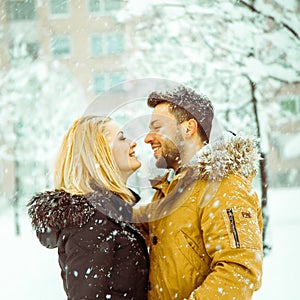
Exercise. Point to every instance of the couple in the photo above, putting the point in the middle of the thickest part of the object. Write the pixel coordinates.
(203, 228)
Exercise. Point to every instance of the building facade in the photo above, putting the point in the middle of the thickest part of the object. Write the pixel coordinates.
(84, 35)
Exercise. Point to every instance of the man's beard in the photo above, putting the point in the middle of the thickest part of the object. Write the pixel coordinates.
(167, 161)
(170, 157)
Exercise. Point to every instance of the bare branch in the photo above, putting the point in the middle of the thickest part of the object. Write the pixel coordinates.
(285, 25)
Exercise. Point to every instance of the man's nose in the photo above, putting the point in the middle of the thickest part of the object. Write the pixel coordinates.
(148, 138)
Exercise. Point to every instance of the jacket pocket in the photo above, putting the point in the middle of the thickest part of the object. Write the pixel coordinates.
(242, 228)
(188, 249)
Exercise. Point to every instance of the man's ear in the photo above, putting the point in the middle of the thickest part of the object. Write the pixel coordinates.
(191, 127)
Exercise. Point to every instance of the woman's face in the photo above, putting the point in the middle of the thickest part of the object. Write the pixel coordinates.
(122, 149)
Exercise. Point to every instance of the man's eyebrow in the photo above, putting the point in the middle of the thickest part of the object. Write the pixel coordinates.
(152, 123)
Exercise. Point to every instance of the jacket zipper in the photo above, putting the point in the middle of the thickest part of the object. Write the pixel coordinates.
(233, 227)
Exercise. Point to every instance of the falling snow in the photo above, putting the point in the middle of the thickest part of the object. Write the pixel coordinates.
(38, 266)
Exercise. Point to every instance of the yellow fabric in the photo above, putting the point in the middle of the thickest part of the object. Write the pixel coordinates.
(193, 250)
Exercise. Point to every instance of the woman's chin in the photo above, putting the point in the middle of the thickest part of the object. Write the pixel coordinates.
(136, 165)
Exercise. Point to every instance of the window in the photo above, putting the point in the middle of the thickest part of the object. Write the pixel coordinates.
(107, 44)
(23, 49)
(114, 79)
(291, 105)
(288, 145)
(94, 5)
(112, 5)
(33, 49)
(97, 45)
(103, 6)
(99, 84)
(103, 82)
(115, 43)
(59, 7)
(20, 10)
(61, 46)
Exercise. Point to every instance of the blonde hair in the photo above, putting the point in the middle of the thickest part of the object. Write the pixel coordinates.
(85, 160)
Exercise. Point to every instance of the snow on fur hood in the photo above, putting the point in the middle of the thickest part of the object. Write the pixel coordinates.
(58, 209)
(229, 155)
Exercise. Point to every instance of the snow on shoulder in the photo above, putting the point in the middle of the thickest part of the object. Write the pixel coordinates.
(228, 155)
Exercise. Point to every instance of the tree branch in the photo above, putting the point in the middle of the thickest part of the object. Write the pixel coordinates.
(285, 25)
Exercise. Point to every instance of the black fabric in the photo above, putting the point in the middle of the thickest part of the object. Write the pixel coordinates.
(104, 257)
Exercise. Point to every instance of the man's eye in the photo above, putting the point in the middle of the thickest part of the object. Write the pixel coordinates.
(123, 138)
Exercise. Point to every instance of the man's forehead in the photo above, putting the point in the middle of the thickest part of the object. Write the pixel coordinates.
(161, 118)
(162, 112)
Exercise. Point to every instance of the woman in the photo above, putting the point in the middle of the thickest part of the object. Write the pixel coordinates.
(87, 217)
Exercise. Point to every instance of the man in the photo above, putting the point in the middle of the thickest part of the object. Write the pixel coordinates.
(204, 227)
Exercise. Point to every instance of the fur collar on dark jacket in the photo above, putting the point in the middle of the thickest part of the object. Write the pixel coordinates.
(58, 209)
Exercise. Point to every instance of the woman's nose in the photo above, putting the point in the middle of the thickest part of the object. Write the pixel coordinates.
(132, 144)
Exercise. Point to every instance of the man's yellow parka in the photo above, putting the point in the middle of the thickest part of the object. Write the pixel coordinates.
(204, 228)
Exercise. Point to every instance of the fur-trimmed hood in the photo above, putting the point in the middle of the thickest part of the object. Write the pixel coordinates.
(215, 161)
(229, 155)
(58, 209)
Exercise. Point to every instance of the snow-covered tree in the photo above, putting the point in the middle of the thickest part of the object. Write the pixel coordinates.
(38, 101)
(240, 53)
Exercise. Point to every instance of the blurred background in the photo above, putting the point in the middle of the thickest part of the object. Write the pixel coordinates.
(58, 56)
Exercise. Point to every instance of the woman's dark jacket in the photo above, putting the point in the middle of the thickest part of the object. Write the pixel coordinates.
(101, 254)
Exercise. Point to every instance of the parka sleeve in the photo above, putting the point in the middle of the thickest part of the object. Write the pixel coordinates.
(89, 255)
(139, 217)
(231, 223)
